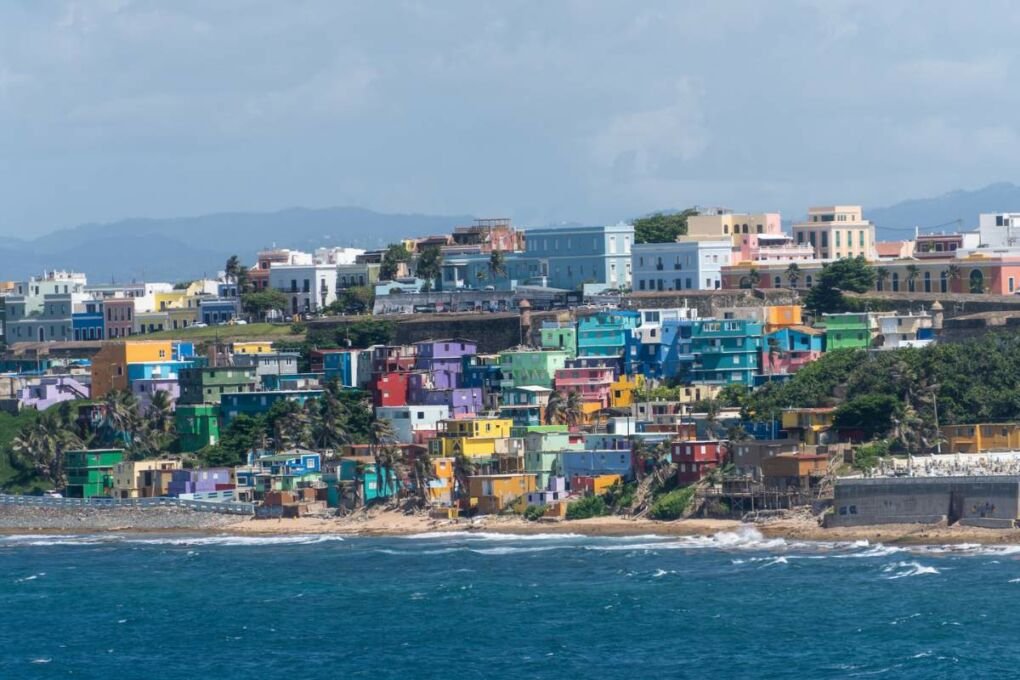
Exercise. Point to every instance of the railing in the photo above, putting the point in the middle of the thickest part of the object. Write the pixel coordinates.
(200, 506)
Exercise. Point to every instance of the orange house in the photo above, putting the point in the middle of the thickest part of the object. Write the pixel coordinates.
(110, 364)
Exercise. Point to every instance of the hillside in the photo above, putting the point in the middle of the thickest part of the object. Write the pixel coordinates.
(938, 213)
(189, 247)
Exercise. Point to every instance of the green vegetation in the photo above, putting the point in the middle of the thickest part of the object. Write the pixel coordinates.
(589, 506)
(672, 505)
(850, 274)
(356, 300)
(258, 304)
(662, 227)
(394, 255)
(251, 331)
(533, 513)
(10, 426)
(430, 264)
(866, 456)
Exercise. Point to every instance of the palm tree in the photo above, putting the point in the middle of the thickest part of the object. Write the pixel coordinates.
(554, 409)
(382, 440)
(424, 472)
(497, 264)
(754, 277)
(954, 273)
(913, 273)
(881, 276)
(41, 447)
(161, 412)
(463, 469)
(711, 417)
(121, 420)
(793, 274)
(574, 410)
(328, 420)
(774, 353)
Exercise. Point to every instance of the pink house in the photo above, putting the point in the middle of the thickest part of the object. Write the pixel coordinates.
(594, 384)
(119, 317)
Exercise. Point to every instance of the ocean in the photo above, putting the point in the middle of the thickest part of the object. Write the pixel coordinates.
(495, 606)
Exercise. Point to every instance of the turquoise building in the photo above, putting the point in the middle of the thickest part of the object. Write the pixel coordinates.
(726, 351)
(606, 334)
(253, 403)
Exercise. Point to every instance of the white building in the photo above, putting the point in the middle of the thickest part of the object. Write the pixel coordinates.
(999, 230)
(406, 420)
(337, 255)
(684, 265)
(310, 288)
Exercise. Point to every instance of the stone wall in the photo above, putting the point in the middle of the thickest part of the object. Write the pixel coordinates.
(492, 332)
(977, 501)
(708, 301)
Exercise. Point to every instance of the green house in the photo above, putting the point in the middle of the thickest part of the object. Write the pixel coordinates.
(560, 335)
(531, 367)
(90, 473)
(851, 330)
(198, 426)
(542, 452)
(207, 384)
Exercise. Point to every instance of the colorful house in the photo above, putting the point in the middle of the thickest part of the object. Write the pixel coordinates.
(593, 384)
(90, 473)
(530, 367)
(197, 426)
(598, 462)
(254, 403)
(787, 350)
(472, 437)
(413, 424)
(252, 347)
(559, 335)
(726, 351)
(143, 478)
(360, 472)
(110, 364)
(443, 359)
(851, 330)
(389, 389)
(980, 438)
(605, 334)
(206, 385)
(812, 426)
(492, 494)
(695, 459)
(196, 481)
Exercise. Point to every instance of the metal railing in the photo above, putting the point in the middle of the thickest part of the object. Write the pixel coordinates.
(200, 506)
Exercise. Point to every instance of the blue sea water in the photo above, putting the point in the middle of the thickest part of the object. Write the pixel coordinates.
(485, 605)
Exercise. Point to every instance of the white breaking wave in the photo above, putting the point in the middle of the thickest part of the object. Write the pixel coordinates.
(905, 569)
(490, 536)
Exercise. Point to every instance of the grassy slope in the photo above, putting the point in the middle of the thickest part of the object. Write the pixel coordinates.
(253, 331)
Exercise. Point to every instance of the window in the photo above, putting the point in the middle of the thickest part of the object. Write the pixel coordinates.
(862, 238)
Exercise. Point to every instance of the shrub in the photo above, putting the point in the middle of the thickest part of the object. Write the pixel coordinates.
(533, 513)
(672, 505)
(591, 506)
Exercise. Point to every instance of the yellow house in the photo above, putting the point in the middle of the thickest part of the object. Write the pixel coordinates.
(182, 317)
(492, 494)
(602, 483)
(472, 437)
(109, 365)
(981, 438)
(143, 478)
(441, 488)
(621, 391)
(782, 316)
(253, 347)
(809, 425)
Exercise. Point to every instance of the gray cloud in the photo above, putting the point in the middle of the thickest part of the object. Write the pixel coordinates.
(545, 112)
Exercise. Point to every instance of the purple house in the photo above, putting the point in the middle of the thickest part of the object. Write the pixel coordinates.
(198, 481)
(443, 359)
(50, 390)
(145, 389)
(463, 401)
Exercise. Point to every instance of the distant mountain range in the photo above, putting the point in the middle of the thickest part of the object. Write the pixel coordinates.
(182, 248)
(941, 213)
(189, 247)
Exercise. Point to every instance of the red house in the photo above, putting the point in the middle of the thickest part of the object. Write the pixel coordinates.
(695, 459)
(389, 389)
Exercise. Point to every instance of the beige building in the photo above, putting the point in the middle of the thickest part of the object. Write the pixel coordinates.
(143, 478)
(743, 229)
(837, 231)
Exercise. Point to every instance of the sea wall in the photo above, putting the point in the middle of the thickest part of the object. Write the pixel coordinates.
(975, 501)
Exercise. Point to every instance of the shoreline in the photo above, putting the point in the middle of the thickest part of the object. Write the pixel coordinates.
(395, 524)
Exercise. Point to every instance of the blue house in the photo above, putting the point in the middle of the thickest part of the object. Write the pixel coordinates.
(88, 324)
(726, 351)
(156, 369)
(574, 256)
(666, 356)
(362, 470)
(233, 404)
(597, 462)
(218, 310)
(182, 351)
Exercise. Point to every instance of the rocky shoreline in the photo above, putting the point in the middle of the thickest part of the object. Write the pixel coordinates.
(28, 519)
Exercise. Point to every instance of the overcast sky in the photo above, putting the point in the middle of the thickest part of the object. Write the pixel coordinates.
(541, 111)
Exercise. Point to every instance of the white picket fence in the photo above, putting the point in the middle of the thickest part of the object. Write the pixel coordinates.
(228, 508)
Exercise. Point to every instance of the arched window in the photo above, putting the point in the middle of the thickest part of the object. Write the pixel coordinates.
(778, 282)
(808, 280)
(977, 281)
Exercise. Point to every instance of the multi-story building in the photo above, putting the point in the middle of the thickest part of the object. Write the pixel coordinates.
(837, 231)
(593, 384)
(851, 330)
(695, 459)
(530, 367)
(206, 385)
(269, 363)
(87, 320)
(472, 437)
(605, 334)
(218, 310)
(354, 275)
(51, 321)
(90, 473)
(197, 425)
(310, 288)
(233, 404)
(258, 275)
(726, 351)
(683, 265)
(119, 314)
(811, 426)
(999, 230)
(560, 335)
(578, 255)
(142, 478)
(413, 424)
(896, 330)
(788, 349)
(741, 230)
(111, 365)
(443, 360)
